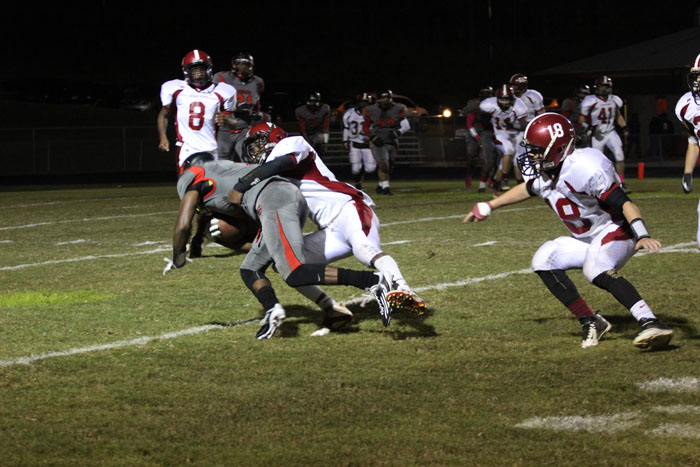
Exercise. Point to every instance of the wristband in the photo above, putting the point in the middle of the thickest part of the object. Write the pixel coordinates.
(639, 229)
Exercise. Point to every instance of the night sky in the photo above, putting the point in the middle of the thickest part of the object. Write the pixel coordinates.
(437, 53)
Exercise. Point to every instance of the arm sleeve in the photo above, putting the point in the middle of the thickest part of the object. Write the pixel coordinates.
(266, 170)
(615, 197)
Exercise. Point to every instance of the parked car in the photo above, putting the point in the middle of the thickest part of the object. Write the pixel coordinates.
(551, 104)
(413, 109)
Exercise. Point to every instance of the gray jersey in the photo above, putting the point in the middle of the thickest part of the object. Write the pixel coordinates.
(213, 180)
(311, 121)
(384, 123)
(247, 92)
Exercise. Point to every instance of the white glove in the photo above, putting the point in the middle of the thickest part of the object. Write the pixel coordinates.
(214, 228)
(170, 266)
(325, 138)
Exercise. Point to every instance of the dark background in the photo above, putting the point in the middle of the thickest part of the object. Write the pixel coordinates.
(439, 53)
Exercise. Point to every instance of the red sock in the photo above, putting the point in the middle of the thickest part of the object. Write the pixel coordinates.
(580, 308)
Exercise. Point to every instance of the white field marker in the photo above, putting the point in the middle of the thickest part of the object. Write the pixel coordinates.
(586, 423)
(686, 384)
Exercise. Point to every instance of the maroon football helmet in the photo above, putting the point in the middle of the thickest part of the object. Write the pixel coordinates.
(198, 59)
(259, 141)
(519, 83)
(693, 77)
(548, 139)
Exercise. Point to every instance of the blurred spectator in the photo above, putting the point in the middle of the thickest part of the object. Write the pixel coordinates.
(634, 145)
(659, 126)
(314, 119)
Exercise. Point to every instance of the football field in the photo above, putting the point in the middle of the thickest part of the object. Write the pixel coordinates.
(105, 361)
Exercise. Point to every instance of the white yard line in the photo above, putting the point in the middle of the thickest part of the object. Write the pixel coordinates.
(88, 219)
(671, 385)
(586, 423)
(84, 258)
(74, 201)
(113, 345)
(458, 216)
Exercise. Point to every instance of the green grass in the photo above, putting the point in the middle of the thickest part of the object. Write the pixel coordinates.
(455, 386)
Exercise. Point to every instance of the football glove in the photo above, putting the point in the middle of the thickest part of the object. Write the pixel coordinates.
(214, 228)
(687, 183)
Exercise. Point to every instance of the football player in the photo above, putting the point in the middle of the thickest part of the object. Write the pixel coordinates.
(344, 215)
(606, 227)
(479, 138)
(534, 102)
(195, 102)
(508, 115)
(314, 119)
(281, 210)
(384, 122)
(248, 110)
(599, 112)
(688, 112)
(571, 109)
(356, 142)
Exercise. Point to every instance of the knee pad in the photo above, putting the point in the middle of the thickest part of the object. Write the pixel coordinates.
(249, 277)
(307, 274)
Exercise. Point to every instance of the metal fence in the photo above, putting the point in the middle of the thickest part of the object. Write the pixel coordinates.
(134, 149)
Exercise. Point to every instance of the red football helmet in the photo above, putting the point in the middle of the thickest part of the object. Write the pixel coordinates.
(505, 96)
(259, 141)
(363, 100)
(694, 77)
(519, 83)
(548, 139)
(198, 59)
(603, 86)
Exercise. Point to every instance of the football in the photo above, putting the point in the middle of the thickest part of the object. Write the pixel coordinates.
(233, 233)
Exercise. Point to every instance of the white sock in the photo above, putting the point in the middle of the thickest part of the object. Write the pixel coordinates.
(387, 266)
(641, 310)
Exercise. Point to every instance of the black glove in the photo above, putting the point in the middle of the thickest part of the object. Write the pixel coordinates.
(376, 140)
(687, 183)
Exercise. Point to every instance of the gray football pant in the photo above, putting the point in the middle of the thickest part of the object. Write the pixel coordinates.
(282, 213)
(385, 155)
